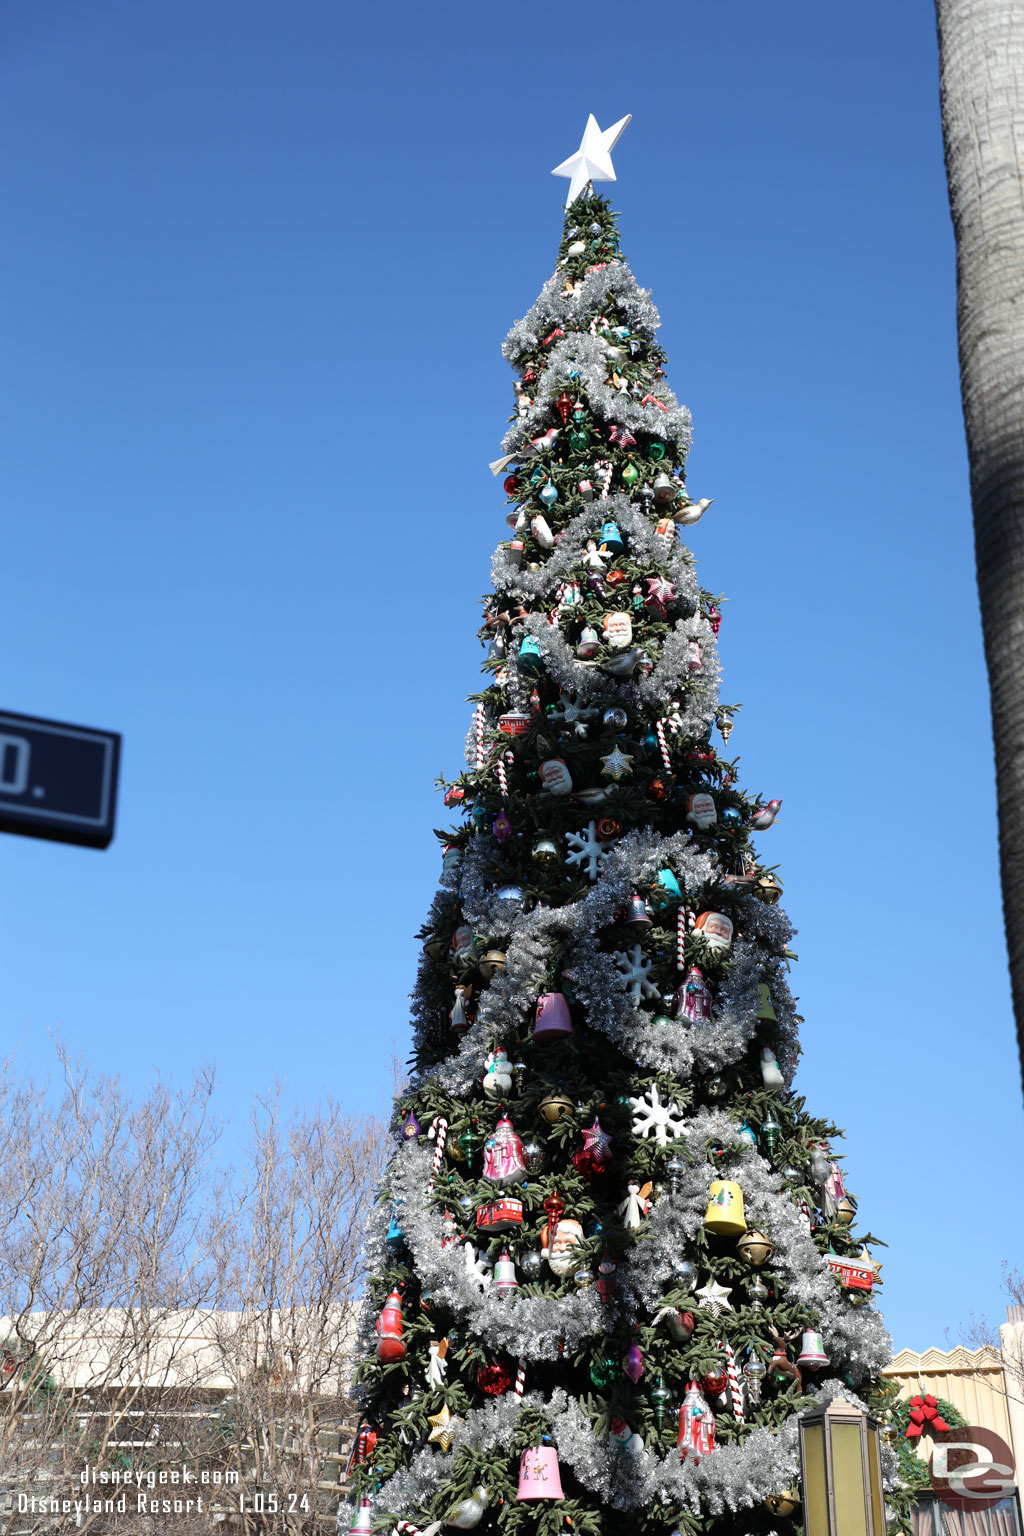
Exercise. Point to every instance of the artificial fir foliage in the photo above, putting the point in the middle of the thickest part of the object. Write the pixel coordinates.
(610, 1224)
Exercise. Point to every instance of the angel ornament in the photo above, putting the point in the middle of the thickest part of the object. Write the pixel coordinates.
(636, 1205)
(593, 559)
(437, 1365)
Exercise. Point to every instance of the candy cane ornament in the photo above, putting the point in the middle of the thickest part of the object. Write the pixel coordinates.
(604, 471)
(663, 745)
(520, 1386)
(682, 927)
(499, 769)
(438, 1128)
(479, 727)
(733, 1377)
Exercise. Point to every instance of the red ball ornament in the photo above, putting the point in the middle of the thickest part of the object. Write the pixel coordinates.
(714, 1383)
(494, 1379)
(615, 578)
(587, 1165)
(510, 485)
(608, 828)
(658, 790)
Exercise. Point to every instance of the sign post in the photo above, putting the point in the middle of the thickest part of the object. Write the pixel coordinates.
(58, 781)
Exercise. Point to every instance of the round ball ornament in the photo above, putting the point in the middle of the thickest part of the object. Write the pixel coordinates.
(731, 816)
(658, 791)
(605, 1372)
(553, 1106)
(615, 718)
(545, 852)
(494, 1379)
(535, 1156)
(682, 1274)
(531, 1264)
(608, 828)
(714, 1382)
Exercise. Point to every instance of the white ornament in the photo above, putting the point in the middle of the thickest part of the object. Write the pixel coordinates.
(593, 559)
(478, 1268)
(566, 713)
(437, 1365)
(635, 967)
(714, 1298)
(587, 850)
(497, 1080)
(593, 160)
(635, 1206)
(650, 1114)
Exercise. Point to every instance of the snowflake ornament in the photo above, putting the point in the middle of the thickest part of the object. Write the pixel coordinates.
(635, 968)
(650, 1114)
(567, 714)
(478, 1267)
(587, 850)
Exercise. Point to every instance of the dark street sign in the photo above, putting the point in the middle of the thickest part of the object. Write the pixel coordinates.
(58, 781)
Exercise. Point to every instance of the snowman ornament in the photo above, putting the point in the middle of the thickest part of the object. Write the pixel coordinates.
(497, 1079)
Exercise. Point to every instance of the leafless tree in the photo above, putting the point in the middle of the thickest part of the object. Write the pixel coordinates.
(161, 1314)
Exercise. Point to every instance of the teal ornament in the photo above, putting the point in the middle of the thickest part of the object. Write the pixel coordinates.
(395, 1237)
(731, 816)
(651, 746)
(611, 538)
(549, 495)
(579, 414)
(537, 476)
(747, 1136)
(579, 441)
(529, 657)
(663, 1020)
(666, 888)
(479, 814)
(622, 332)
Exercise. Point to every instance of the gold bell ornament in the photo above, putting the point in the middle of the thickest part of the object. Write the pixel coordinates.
(725, 1216)
(755, 1248)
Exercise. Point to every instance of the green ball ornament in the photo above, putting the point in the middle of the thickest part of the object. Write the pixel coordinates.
(579, 441)
(605, 1372)
(656, 452)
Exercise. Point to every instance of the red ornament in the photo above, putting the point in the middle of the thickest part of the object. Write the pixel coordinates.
(529, 374)
(615, 578)
(715, 619)
(608, 828)
(390, 1345)
(453, 795)
(510, 485)
(554, 1205)
(494, 1379)
(658, 790)
(552, 337)
(714, 1383)
(563, 405)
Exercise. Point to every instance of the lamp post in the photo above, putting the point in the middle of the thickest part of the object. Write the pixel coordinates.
(841, 1471)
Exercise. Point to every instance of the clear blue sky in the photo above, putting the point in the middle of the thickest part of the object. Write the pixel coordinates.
(257, 263)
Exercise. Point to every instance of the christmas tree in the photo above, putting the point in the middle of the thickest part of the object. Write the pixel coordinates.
(615, 1259)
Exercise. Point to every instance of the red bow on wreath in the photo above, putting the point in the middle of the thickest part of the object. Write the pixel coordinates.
(924, 1411)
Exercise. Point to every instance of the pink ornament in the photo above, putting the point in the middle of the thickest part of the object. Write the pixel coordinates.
(553, 1020)
(696, 1425)
(539, 1475)
(693, 1000)
(501, 826)
(504, 1162)
(633, 1364)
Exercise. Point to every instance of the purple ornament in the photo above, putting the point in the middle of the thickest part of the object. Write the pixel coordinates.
(412, 1129)
(633, 1364)
(501, 827)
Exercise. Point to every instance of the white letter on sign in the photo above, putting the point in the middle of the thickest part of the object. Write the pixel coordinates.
(19, 750)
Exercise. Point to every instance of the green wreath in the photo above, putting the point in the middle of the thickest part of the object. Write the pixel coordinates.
(914, 1471)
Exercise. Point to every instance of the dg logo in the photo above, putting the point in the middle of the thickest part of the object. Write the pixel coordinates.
(971, 1468)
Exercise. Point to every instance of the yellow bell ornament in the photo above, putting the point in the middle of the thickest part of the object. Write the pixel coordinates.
(725, 1216)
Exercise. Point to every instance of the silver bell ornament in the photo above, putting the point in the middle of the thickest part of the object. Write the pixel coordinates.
(665, 489)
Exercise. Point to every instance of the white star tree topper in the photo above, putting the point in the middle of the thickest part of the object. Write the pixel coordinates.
(593, 160)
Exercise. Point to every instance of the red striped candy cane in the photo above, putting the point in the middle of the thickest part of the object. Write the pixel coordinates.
(663, 744)
(438, 1128)
(681, 930)
(520, 1386)
(479, 726)
(406, 1528)
(604, 471)
(733, 1378)
(499, 769)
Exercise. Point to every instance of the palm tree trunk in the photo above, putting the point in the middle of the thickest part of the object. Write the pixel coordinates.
(981, 65)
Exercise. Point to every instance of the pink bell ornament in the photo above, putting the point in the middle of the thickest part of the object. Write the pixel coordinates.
(812, 1354)
(553, 1021)
(539, 1475)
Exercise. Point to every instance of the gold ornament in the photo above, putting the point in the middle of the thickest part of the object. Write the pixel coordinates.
(491, 963)
(443, 1432)
(783, 1504)
(553, 1106)
(768, 888)
(846, 1210)
(755, 1248)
